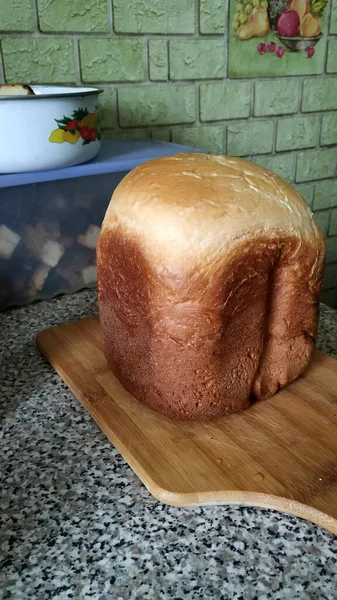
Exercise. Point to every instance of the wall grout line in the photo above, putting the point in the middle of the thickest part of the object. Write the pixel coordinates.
(2, 66)
(300, 96)
(148, 65)
(110, 16)
(226, 36)
(252, 100)
(197, 18)
(224, 139)
(108, 35)
(197, 105)
(275, 131)
(167, 59)
(146, 58)
(77, 60)
(35, 15)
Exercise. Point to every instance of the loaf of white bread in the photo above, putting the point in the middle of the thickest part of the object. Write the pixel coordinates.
(15, 89)
(209, 277)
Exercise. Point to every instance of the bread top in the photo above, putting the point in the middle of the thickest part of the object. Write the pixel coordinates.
(198, 206)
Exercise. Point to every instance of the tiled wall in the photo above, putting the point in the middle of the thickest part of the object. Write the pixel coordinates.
(163, 66)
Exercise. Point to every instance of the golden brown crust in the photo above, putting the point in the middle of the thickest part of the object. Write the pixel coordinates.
(200, 334)
(15, 89)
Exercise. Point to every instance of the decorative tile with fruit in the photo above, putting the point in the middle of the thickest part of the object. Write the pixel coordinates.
(82, 125)
(276, 37)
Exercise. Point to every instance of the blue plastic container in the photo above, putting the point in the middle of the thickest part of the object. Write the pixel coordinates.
(50, 221)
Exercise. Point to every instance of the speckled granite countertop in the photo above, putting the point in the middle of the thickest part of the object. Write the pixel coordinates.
(77, 523)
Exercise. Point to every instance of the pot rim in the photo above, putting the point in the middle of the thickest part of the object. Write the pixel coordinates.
(77, 91)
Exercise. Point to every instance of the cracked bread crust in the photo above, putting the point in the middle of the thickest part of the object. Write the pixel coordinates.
(192, 330)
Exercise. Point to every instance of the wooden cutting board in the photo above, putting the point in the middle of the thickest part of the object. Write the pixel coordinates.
(279, 454)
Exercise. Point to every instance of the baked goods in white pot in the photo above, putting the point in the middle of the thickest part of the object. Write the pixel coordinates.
(48, 127)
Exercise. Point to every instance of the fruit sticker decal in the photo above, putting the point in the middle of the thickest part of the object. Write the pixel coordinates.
(82, 125)
(264, 31)
(251, 19)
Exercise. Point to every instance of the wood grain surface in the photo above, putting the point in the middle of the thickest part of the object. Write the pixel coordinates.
(279, 454)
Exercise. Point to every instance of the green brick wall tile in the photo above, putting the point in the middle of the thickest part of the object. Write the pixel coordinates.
(72, 16)
(331, 249)
(16, 15)
(116, 59)
(38, 60)
(156, 16)
(330, 277)
(331, 65)
(278, 97)
(281, 164)
(212, 16)
(156, 105)
(197, 59)
(319, 93)
(158, 67)
(297, 132)
(108, 134)
(322, 218)
(316, 164)
(129, 134)
(250, 137)
(207, 137)
(333, 222)
(108, 108)
(230, 100)
(162, 134)
(325, 194)
(306, 190)
(333, 18)
(329, 129)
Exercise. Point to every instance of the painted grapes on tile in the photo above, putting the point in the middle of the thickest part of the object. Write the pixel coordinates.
(276, 37)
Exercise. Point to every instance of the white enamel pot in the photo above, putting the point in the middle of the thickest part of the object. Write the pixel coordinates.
(56, 127)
